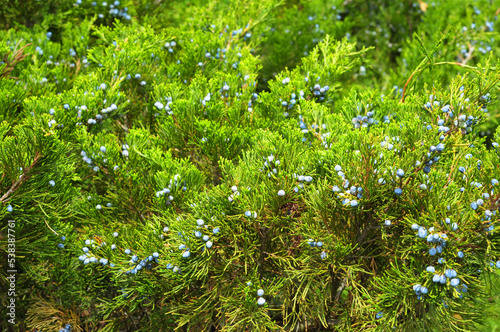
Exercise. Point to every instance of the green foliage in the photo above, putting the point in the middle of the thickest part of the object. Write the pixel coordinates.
(165, 161)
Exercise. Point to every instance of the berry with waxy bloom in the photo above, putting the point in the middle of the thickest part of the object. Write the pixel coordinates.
(422, 233)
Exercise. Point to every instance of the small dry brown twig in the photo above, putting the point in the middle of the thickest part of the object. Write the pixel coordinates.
(21, 179)
(17, 57)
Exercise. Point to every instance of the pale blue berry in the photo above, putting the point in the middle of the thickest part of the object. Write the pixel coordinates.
(422, 233)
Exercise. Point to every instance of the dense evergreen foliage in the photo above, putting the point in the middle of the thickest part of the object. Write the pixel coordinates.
(268, 165)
